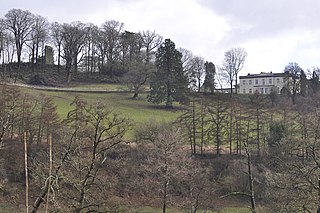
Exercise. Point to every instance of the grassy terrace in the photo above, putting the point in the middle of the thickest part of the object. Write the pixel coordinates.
(139, 110)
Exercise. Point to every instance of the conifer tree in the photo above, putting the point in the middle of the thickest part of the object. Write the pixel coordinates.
(168, 83)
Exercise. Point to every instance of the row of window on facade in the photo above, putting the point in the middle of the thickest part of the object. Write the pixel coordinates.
(260, 90)
(263, 81)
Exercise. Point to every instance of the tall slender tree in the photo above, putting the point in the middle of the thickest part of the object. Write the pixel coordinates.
(233, 63)
(169, 82)
(210, 72)
(57, 38)
(38, 36)
(111, 31)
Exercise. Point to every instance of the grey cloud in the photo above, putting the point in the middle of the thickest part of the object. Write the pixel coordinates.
(267, 17)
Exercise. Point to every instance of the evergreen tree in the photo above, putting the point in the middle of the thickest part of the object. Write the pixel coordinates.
(303, 83)
(210, 71)
(314, 81)
(168, 83)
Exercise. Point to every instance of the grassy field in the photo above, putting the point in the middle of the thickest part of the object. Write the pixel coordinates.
(138, 110)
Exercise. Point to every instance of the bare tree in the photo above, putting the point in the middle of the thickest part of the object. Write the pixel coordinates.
(187, 64)
(250, 178)
(150, 41)
(293, 70)
(295, 156)
(90, 132)
(19, 23)
(7, 45)
(57, 38)
(221, 78)
(197, 71)
(38, 36)
(101, 130)
(90, 60)
(9, 102)
(233, 63)
(189, 121)
(138, 75)
(218, 115)
(74, 37)
(111, 31)
(101, 48)
(166, 161)
(258, 101)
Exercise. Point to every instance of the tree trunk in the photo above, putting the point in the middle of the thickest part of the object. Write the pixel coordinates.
(194, 127)
(258, 132)
(26, 170)
(164, 200)
(231, 90)
(230, 131)
(69, 72)
(218, 139)
(39, 135)
(236, 83)
(169, 98)
(250, 177)
(50, 172)
(59, 56)
(238, 133)
(202, 128)
(318, 204)
(135, 95)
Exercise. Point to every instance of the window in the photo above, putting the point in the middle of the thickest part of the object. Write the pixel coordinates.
(250, 82)
(250, 91)
(266, 90)
(270, 80)
(261, 90)
(263, 81)
(257, 81)
(278, 80)
(244, 82)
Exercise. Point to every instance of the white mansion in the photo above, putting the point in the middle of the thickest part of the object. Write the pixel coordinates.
(264, 83)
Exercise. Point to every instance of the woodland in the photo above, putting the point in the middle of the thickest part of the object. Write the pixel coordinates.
(161, 140)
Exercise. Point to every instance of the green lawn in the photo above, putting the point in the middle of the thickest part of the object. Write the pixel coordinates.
(139, 110)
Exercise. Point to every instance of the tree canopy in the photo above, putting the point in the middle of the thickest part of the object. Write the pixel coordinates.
(168, 83)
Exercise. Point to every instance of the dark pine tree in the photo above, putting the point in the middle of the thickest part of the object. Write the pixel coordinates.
(210, 71)
(303, 83)
(168, 83)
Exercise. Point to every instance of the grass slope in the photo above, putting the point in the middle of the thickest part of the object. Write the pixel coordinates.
(139, 110)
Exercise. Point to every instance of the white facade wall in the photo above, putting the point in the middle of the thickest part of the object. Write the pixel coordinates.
(262, 83)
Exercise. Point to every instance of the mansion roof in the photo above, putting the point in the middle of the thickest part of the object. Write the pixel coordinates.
(264, 75)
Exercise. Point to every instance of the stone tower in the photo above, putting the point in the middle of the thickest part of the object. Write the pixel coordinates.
(48, 55)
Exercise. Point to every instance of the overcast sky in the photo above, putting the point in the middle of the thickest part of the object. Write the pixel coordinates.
(273, 32)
